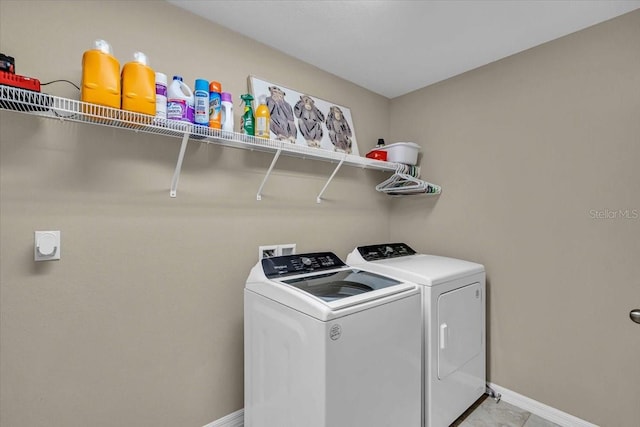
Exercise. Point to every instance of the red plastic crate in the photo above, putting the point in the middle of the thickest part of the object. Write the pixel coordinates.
(21, 82)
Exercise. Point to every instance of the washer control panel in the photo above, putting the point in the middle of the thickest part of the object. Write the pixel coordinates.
(384, 251)
(301, 263)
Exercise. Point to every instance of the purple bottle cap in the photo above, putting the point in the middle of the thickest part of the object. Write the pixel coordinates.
(226, 96)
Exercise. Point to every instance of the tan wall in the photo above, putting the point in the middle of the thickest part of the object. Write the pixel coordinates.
(140, 322)
(525, 148)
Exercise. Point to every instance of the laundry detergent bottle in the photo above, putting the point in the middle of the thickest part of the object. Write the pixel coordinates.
(139, 86)
(180, 102)
(100, 76)
(161, 96)
(215, 105)
(226, 111)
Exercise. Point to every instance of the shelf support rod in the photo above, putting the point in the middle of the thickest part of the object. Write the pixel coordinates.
(266, 177)
(176, 174)
(335, 171)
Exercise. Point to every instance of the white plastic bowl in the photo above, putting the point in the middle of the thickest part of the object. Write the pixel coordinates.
(402, 152)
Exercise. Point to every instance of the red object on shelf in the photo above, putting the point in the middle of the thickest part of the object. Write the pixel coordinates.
(377, 155)
(21, 82)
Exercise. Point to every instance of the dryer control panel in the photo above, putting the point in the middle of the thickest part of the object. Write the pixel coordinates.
(301, 263)
(384, 251)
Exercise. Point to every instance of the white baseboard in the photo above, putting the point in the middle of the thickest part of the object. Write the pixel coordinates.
(540, 409)
(235, 419)
(547, 412)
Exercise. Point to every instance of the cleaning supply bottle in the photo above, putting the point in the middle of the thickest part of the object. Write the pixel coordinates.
(179, 101)
(139, 86)
(191, 109)
(201, 99)
(263, 119)
(226, 112)
(215, 99)
(247, 125)
(161, 96)
(100, 76)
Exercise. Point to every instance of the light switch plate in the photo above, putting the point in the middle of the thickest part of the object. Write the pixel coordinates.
(46, 245)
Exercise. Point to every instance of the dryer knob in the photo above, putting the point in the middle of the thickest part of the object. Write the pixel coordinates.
(306, 261)
(388, 250)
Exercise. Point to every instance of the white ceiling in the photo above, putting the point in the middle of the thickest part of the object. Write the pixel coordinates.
(395, 47)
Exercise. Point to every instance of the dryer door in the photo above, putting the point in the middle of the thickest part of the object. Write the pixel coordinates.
(460, 327)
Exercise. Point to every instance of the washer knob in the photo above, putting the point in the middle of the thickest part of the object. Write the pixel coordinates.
(388, 250)
(306, 261)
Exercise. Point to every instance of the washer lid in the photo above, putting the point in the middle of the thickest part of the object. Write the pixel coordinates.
(337, 285)
(335, 294)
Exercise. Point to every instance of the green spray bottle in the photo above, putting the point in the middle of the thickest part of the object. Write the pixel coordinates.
(247, 125)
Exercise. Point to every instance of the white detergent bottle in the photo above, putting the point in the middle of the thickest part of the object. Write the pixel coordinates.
(180, 102)
(226, 112)
(161, 96)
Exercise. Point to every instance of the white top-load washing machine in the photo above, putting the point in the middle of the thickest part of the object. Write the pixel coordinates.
(330, 346)
(453, 337)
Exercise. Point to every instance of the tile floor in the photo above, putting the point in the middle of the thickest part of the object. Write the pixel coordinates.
(487, 413)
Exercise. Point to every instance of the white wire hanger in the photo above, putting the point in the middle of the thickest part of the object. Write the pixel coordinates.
(406, 181)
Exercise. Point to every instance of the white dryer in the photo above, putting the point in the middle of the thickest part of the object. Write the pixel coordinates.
(453, 339)
(327, 345)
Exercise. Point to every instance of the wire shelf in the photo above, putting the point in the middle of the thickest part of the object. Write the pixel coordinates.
(55, 107)
(43, 105)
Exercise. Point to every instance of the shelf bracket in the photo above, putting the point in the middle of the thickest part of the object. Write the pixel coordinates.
(335, 171)
(176, 174)
(266, 177)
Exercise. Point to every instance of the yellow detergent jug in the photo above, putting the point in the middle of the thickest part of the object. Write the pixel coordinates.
(100, 76)
(139, 86)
